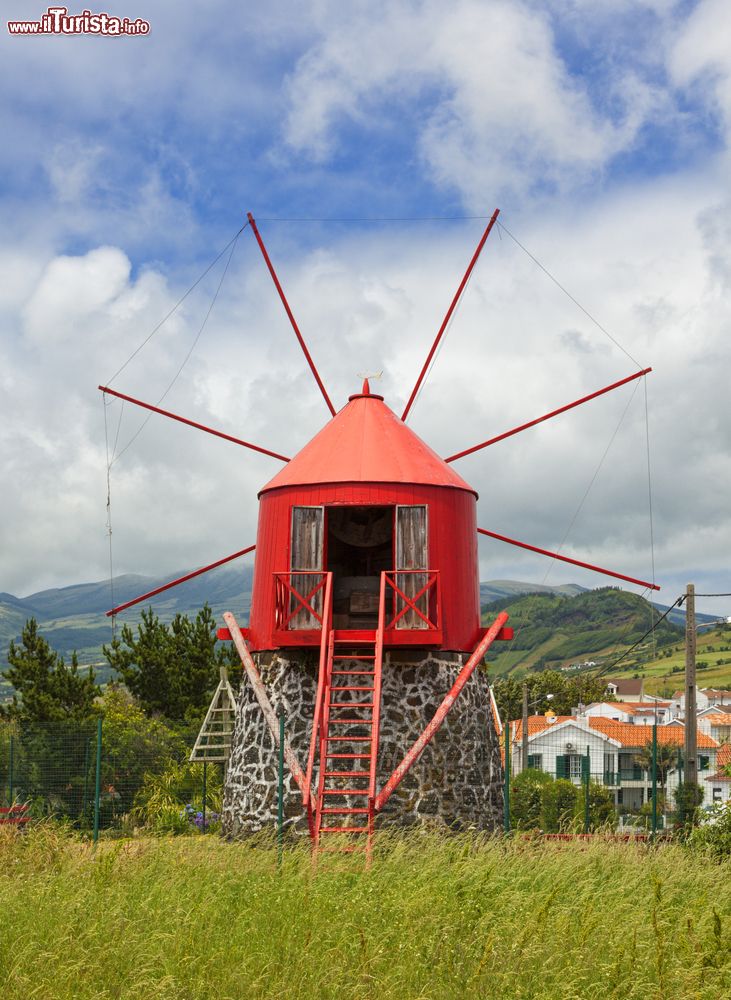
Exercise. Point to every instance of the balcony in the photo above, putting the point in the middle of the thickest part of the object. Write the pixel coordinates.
(412, 609)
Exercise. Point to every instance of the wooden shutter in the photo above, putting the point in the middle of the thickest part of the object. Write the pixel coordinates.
(306, 553)
(562, 766)
(412, 554)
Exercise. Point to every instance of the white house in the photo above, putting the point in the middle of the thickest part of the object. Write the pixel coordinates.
(563, 746)
(626, 688)
(635, 712)
(716, 724)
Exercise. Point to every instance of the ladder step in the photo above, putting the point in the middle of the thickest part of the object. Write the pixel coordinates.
(346, 774)
(349, 756)
(348, 739)
(351, 722)
(346, 791)
(351, 704)
(353, 673)
(343, 829)
(350, 687)
(343, 812)
(356, 656)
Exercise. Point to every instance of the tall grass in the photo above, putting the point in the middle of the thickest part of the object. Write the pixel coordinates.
(434, 918)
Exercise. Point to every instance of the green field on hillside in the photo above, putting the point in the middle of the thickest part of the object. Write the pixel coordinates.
(555, 631)
(664, 674)
(434, 919)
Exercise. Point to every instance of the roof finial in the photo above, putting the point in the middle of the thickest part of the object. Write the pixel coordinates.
(366, 390)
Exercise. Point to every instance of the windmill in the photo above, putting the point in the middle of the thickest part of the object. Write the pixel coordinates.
(365, 624)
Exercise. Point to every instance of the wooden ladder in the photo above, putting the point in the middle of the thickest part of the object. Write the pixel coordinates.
(344, 806)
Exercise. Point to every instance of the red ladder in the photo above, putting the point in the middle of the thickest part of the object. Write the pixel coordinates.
(349, 729)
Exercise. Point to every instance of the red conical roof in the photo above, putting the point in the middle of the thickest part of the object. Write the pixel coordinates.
(366, 442)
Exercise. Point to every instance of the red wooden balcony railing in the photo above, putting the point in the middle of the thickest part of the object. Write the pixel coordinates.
(414, 598)
(298, 600)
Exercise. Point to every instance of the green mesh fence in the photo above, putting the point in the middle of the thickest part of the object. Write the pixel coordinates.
(143, 780)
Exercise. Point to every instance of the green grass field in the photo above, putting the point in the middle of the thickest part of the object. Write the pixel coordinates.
(434, 918)
(665, 674)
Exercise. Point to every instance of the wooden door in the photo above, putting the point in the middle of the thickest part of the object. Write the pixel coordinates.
(412, 554)
(306, 556)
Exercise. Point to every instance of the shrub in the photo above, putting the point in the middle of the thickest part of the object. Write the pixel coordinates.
(558, 803)
(169, 802)
(601, 807)
(526, 799)
(714, 833)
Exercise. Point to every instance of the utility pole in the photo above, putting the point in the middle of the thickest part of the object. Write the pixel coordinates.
(691, 719)
(524, 733)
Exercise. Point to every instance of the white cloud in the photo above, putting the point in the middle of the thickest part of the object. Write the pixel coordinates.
(496, 109)
(699, 57)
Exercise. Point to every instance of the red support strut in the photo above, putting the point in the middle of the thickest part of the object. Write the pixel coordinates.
(451, 309)
(547, 416)
(441, 713)
(182, 579)
(566, 559)
(289, 313)
(192, 423)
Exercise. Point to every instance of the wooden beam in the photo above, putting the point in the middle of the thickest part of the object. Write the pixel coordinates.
(547, 416)
(448, 316)
(192, 423)
(566, 559)
(261, 696)
(441, 713)
(289, 312)
(181, 579)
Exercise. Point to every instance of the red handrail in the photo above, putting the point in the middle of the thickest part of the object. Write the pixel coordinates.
(319, 697)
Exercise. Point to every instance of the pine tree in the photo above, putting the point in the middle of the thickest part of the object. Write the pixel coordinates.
(171, 669)
(46, 688)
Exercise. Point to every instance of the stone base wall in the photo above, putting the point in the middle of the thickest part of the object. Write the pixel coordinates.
(457, 782)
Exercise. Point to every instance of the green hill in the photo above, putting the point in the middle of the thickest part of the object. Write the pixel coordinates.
(557, 631)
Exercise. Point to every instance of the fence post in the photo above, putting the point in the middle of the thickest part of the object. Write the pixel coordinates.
(10, 771)
(205, 792)
(587, 779)
(280, 795)
(85, 793)
(654, 780)
(506, 784)
(98, 782)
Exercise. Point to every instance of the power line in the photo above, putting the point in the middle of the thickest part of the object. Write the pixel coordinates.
(187, 356)
(624, 655)
(177, 305)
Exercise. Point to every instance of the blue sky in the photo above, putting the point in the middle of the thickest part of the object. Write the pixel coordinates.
(601, 130)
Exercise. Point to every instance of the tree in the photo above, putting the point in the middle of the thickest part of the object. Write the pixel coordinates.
(567, 692)
(46, 688)
(667, 760)
(171, 669)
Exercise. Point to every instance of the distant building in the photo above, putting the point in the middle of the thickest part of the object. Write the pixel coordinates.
(633, 712)
(558, 745)
(630, 689)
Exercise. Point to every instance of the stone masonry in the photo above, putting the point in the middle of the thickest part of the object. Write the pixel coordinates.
(456, 783)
